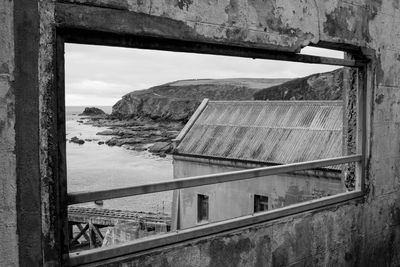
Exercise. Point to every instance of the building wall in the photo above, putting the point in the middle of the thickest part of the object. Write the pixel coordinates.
(8, 179)
(235, 199)
(358, 233)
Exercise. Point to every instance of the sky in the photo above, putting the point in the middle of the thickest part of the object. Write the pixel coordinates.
(101, 75)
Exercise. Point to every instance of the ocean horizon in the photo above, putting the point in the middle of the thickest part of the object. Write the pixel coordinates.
(69, 110)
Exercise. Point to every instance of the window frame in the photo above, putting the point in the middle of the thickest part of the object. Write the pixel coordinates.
(68, 31)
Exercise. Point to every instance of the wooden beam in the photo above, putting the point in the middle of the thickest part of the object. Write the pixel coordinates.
(81, 233)
(98, 233)
(59, 154)
(85, 235)
(81, 245)
(92, 236)
(83, 197)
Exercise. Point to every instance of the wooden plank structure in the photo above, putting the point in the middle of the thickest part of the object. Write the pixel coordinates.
(89, 221)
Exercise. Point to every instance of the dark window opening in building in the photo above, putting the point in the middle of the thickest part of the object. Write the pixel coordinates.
(202, 208)
(260, 203)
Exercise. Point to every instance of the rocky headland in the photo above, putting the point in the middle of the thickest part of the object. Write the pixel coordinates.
(150, 119)
(176, 101)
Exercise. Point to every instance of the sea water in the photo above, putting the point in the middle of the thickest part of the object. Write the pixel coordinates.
(93, 167)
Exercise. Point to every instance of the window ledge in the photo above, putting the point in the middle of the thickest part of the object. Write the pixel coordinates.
(133, 247)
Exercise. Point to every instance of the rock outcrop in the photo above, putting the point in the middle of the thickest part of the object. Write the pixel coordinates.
(177, 101)
(76, 140)
(92, 111)
(140, 135)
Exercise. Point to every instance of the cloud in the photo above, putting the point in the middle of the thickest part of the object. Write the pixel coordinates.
(100, 75)
(89, 100)
(309, 50)
(89, 87)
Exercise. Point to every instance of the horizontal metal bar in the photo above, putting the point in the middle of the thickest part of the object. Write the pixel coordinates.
(96, 255)
(82, 197)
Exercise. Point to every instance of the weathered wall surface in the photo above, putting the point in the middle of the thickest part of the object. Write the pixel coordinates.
(234, 199)
(48, 138)
(283, 25)
(8, 213)
(364, 233)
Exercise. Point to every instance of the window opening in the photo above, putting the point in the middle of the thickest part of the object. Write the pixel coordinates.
(260, 203)
(217, 125)
(202, 208)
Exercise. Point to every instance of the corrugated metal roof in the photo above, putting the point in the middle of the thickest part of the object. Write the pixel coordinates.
(266, 131)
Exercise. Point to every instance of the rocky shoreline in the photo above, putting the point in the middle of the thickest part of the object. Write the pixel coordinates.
(140, 134)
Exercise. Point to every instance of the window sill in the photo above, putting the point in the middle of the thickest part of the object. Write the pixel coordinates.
(132, 247)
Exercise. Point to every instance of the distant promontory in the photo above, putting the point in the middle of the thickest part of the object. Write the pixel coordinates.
(176, 101)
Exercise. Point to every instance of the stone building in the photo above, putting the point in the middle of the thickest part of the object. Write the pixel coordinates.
(226, 136)
(360, 228)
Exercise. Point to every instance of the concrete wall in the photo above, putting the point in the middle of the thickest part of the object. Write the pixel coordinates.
(25, 76)
(235, 199)
(8, 179)
(357, 233)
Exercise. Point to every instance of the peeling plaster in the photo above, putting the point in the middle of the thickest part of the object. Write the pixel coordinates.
(348, 22)
(8, 193)
(379, 99)
(184, 4)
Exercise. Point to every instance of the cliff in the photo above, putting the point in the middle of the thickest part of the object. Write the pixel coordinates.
(321, 86)
(177, 100)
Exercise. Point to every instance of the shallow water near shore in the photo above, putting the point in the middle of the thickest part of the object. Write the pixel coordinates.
(97, 167)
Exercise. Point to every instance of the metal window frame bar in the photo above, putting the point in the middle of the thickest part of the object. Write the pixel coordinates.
(361, 142)
(85, 25)
(83, 197)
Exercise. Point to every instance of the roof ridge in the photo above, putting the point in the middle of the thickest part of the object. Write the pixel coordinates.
(283, 102)
(272, 127)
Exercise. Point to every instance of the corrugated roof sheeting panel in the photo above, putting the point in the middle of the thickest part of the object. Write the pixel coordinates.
(267, 131)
